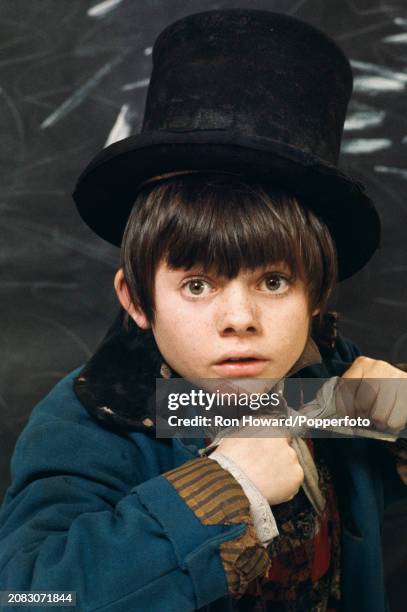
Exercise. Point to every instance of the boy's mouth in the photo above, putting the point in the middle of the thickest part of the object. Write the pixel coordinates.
(239, 356)
(239, 360)
(240, 365)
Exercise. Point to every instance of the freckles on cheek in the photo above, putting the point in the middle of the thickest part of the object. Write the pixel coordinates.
(178, 322)
(175, 328)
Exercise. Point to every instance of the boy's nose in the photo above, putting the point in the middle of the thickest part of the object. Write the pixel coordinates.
(238, 314)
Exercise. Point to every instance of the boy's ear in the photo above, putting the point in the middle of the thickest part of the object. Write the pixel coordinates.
(316, 311)
(124, 298)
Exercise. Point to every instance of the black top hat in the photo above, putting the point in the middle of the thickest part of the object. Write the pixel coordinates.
(250, 92)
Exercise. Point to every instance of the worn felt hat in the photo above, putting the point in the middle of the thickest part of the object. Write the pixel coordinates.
(249, 92)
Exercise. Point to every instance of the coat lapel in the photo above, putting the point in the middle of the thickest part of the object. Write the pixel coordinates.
(118, 382)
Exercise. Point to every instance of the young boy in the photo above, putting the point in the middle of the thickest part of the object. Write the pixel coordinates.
(225, 273)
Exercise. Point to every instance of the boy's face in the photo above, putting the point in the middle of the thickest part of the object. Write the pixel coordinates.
(203, 321)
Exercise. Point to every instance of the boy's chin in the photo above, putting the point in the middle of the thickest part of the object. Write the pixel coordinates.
(240, 385)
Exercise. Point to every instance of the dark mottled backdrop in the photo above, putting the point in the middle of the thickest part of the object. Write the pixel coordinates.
(73, 77)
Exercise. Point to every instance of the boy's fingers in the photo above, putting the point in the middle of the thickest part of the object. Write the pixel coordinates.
(390, 410)
(384, 401)
(355, 397)
(367, 394)
(383, 406)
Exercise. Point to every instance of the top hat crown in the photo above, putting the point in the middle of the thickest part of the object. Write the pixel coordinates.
(255, 72)
(256, 93)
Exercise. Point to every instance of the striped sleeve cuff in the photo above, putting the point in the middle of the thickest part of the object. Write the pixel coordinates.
(216, 497)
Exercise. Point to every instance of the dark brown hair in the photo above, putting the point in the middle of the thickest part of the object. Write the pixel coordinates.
(224, 224)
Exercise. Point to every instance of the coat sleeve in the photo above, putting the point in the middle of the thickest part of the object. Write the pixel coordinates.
(399, 448)
(394, 472)
(80, 515)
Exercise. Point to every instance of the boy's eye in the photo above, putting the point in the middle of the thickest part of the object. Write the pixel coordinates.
(196, 286)
(275, 283)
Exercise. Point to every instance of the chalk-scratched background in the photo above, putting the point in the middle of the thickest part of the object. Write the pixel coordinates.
(73, 78)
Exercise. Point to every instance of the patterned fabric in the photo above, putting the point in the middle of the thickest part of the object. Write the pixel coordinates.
(305, 558)
(215, 497)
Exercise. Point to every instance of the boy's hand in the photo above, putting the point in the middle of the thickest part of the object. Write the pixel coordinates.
(270, 463)
(378, 393)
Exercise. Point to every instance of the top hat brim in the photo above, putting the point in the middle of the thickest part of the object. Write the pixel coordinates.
(107, 188)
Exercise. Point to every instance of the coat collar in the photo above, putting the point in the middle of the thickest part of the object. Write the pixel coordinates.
(117, 384)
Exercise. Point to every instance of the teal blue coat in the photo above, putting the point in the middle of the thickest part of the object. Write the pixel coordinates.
(88, 509)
